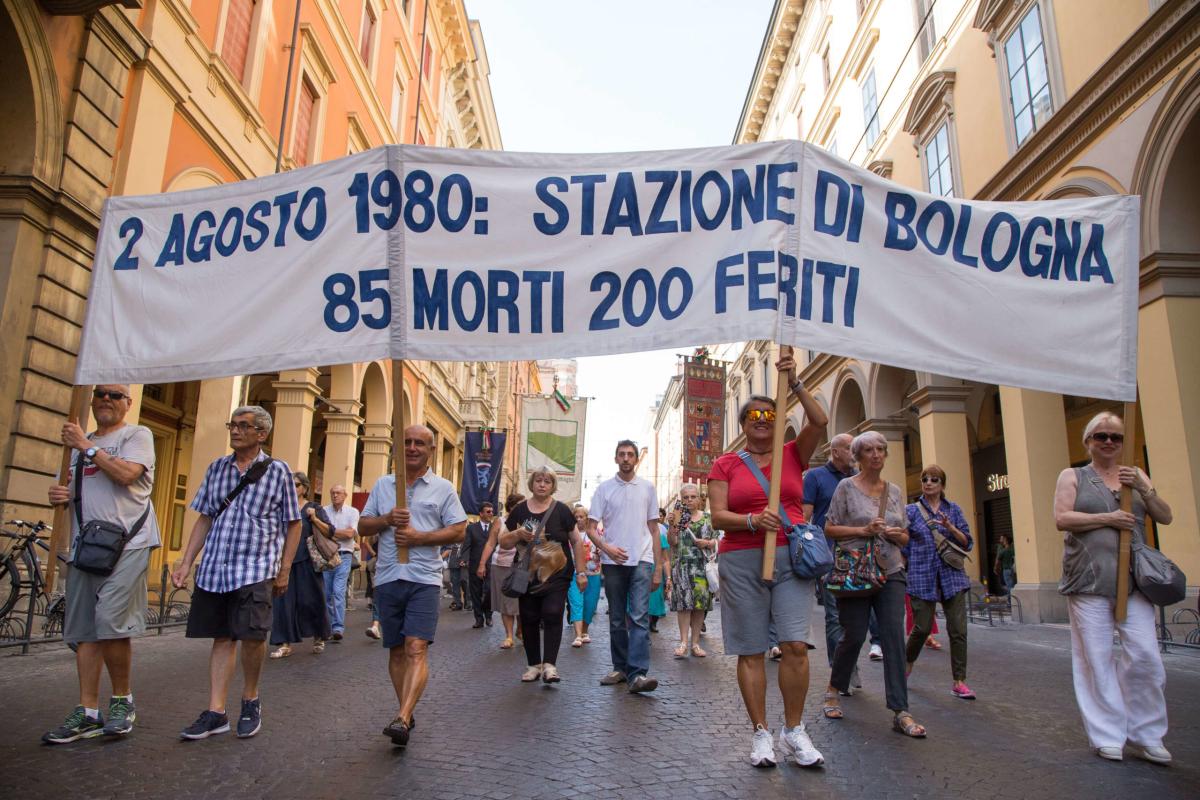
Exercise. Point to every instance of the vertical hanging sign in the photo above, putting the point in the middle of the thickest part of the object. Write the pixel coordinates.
(704, 416)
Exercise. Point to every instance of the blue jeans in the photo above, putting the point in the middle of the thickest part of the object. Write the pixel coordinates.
(335, 593)
(629, 630)
(1010, 580)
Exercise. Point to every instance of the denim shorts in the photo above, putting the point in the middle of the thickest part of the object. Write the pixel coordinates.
(407, 609)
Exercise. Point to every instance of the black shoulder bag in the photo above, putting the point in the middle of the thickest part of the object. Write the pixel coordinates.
(516, 583)
(253, 474)
(100, 543)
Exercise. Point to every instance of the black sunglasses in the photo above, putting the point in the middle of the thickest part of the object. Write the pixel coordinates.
(101, 394)
(1115, 438)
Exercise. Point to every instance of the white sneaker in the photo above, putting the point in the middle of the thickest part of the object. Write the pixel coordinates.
(1109, 753)
(795, 743)
(876, 653)
(1157, 755)
(762, 752)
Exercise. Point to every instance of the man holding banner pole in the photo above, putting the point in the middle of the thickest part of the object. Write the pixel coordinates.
(428, 518)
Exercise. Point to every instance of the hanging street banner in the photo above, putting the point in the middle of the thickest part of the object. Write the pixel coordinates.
(703, 416)
(553, 437)
(427, 253)
(483, 465)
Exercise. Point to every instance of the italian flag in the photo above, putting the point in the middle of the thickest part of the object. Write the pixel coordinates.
(562, 401)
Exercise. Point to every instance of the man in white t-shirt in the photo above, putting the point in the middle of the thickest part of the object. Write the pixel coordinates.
(632, 563)
(104, 612)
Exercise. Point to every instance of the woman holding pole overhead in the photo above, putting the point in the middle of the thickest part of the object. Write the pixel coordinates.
(738, 499)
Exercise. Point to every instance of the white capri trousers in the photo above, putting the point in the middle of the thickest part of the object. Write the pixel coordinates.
(1120, 693)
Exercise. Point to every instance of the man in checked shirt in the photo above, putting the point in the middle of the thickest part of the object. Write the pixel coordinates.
(248, 546)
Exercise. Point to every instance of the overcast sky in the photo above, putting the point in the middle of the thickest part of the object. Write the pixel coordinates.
(570, 76)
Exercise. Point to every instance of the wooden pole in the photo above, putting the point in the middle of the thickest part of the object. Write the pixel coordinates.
(398, 423)
(1130, 460)
(62, 514)
(782, 390)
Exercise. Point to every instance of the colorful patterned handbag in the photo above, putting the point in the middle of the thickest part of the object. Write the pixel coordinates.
(856, 571)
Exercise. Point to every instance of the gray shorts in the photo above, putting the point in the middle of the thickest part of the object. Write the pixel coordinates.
(748, 603)
(112, 607)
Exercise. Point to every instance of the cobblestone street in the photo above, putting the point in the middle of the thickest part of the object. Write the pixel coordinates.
(481, 733)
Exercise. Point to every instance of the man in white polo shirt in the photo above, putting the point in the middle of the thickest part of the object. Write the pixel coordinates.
(345, 525)
(632, 562)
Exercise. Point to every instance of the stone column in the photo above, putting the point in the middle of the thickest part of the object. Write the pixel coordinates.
(1169, 380)
(217, 399)
(377, 452)
(341, 441)
(1035, 444)
(893, 430)
(296, 391)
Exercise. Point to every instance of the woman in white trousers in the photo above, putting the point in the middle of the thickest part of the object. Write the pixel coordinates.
(1120, 696)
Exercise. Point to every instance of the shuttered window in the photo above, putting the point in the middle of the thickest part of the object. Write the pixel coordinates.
(236, 44)
(306, 104)
(367, 41)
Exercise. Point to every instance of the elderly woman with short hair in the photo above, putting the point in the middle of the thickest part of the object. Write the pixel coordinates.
(1121, 699)
(542, 605)
(749, 604)
(854, 522)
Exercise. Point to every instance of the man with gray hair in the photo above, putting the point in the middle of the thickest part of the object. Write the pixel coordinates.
(249, 527)
(111, 478)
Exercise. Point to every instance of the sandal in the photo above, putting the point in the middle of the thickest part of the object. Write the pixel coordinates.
(578, 642)
(319, 646)
(681, 651)
(283, 652)
(830, 710)
(909, 728)
(586, 639)
(933, 644)
(697, 652)
(506, 644)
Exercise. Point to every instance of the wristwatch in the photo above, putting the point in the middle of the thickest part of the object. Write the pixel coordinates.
(90, 453)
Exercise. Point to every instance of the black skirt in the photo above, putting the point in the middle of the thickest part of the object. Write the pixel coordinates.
(301, 612)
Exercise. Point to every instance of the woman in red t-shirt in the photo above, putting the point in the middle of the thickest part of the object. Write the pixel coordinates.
(748, 605)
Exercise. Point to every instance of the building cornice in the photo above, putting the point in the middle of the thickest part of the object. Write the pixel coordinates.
(777, 43)
(1169, 37)
(1168, 275)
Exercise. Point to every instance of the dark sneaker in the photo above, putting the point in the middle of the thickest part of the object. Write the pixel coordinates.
(209, 723)
(398, 731)
(77, 726)
(337, 636)
(121, 714)
(251, 719)
(641, 684)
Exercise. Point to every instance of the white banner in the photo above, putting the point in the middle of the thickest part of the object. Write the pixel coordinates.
(552, 437)
(416, 252)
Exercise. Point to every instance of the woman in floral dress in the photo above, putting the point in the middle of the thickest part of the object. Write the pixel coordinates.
(691, 538)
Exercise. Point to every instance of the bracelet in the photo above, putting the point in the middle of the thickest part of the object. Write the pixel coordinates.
(796, 386)
(1152, 493)
(750, 523)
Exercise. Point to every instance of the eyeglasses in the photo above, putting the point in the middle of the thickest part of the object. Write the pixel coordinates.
(755, 414)
(242, 426)
(930, 479)
(1115, 438)
(101, 394)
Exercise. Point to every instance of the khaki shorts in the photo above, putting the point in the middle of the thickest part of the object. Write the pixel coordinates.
(108, 607)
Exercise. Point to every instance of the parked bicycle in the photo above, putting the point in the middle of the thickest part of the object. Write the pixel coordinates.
(18, 543)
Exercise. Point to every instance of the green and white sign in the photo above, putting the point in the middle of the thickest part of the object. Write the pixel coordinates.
(553, 437)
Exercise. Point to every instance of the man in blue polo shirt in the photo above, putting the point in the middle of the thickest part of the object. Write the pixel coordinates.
(406, 595)
(819, 483)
